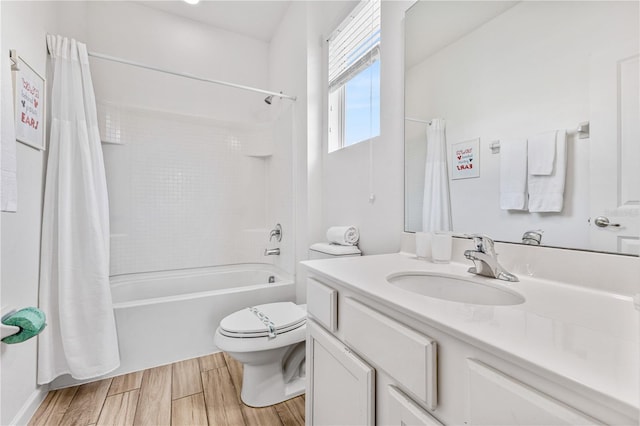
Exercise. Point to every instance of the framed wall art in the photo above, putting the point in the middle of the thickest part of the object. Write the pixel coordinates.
(466, 159)
(30, 104)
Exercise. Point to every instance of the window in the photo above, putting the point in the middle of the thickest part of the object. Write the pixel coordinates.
(354, 77)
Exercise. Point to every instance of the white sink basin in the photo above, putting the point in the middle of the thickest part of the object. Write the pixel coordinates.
(455, 289)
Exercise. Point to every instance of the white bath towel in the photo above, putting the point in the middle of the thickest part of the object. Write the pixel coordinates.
(546, 193)
(9, 189)
(542, 153)
(343, 235)
(513, 174)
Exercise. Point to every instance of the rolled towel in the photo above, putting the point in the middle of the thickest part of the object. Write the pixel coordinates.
(343, 235)
(31, 322)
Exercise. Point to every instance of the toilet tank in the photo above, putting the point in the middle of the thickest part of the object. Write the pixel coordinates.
(330, 251)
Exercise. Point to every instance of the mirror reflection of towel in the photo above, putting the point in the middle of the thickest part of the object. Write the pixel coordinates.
(513, 174)
(541, 151)
(546, 193)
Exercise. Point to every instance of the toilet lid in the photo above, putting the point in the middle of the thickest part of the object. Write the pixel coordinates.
(253, 321)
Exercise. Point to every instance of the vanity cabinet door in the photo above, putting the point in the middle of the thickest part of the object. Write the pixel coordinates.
(341, 386)
(498, 399)
(404, 411)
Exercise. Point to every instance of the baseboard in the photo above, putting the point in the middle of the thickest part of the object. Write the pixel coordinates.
(30, 407)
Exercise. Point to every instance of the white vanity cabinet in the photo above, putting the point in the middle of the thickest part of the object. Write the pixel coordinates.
(341, 383)
(340, 365)
(371, 363)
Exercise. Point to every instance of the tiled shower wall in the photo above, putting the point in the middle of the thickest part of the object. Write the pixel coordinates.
(184, 192)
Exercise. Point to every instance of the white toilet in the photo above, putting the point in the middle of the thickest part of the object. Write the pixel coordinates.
(269, 340)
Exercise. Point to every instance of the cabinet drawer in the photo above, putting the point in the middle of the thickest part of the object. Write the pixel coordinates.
(404, 411)
(408, 356)
(322, 304)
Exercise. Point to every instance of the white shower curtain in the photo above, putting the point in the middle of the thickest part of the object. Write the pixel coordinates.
(81, 335)
(436, 208)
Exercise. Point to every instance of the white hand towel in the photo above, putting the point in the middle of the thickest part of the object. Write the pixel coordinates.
(546, 193)
(343, 235)
(9, 188)
(542, 153)
(513, 174)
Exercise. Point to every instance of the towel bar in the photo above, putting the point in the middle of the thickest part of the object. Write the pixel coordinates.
(582, 131)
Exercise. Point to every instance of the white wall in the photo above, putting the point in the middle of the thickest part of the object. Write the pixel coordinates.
(21, 231)
(287, 72)
(328, 188)
(279, 186)
(494, 87)
(346, 172)
(185, 192)
(132, 31)
(185, 188)
(295, 61)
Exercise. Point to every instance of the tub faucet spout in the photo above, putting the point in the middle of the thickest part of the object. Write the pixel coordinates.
(272, 252)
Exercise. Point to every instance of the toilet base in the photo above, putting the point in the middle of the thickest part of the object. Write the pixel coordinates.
(263, 385)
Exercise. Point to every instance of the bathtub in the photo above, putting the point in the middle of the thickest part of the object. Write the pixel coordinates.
(164, 317)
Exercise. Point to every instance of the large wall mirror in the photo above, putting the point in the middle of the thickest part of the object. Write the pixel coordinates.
(499, 72)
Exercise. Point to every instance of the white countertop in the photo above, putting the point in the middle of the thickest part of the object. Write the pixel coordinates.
(586, 336)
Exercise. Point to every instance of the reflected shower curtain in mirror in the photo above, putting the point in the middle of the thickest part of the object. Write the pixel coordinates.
(436, 207)
(80, 339)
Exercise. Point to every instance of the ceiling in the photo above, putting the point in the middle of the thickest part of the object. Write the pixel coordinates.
(432, 25)
(257, 19)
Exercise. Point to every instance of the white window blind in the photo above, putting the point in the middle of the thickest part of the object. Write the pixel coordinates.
(355, 44)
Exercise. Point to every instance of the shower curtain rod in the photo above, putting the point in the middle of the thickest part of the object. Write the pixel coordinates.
(417, 120)
(191, 76)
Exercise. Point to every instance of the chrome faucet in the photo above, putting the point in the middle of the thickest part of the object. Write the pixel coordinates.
(276, 233)
(532, 238)
(485, 260)
(272, 252)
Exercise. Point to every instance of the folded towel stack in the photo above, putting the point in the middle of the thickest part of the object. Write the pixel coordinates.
(343, 235)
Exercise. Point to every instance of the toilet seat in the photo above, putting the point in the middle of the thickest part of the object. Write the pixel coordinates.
(255, 322)
(273, 366)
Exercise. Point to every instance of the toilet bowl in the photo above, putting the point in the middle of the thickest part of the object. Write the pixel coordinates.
(269, 340)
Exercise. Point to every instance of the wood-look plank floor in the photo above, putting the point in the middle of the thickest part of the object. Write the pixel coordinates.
(202, 391)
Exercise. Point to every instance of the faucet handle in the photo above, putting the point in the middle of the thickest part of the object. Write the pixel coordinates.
(276, 232)
(483, 243)
(532, 237)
